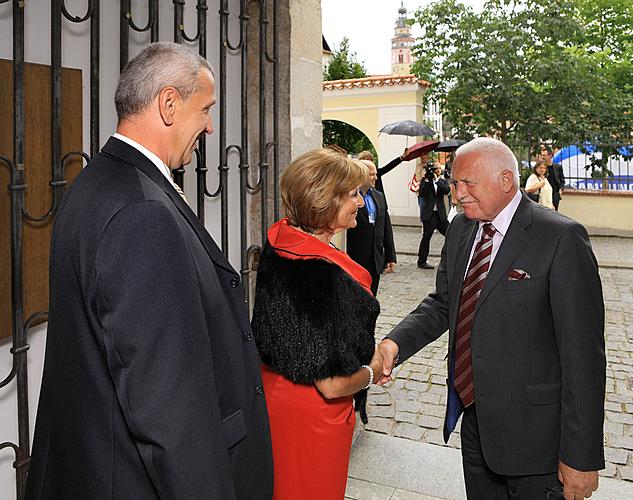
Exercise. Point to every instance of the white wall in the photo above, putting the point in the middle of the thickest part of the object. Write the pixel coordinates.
(76, 52)
(401, 201)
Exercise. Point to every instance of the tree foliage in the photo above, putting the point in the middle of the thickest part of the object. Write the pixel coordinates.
(346, 136)
(344, 64)
(530, 70)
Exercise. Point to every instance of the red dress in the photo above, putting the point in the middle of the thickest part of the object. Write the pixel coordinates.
(311, 436)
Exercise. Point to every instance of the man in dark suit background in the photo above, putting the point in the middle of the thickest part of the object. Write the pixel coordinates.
(151, 385)
(555, 174)
(370, 243)
(433, 189)
(526, 336)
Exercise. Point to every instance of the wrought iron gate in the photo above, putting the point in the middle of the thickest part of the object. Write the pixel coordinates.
(255, 187)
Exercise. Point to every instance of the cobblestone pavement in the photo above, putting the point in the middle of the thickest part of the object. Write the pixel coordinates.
(412, 406)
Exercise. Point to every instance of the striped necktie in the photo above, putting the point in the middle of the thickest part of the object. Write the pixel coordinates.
(473, 284)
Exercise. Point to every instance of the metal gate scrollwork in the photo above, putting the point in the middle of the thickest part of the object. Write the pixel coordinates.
(256, 185)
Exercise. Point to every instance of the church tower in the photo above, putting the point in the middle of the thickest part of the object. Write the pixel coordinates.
(401, 45)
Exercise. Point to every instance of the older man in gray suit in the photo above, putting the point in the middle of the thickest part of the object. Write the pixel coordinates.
(519, 291)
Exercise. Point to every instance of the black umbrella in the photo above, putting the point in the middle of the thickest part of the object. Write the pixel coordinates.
(407, 127)
(450, 145)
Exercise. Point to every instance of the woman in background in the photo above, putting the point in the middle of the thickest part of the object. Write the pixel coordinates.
(538, 187)
(314, 320)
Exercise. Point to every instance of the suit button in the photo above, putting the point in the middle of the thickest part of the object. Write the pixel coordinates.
(247, 336)
(235, 282)
(259, 390)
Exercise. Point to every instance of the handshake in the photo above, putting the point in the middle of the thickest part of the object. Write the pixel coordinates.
(383, 361)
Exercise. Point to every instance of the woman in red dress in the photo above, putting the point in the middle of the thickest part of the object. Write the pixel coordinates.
(314, 320)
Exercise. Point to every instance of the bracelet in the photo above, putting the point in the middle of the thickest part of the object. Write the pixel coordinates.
(371, 376)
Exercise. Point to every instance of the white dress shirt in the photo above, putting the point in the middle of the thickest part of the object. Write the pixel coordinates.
(501, 223)
(160, 164)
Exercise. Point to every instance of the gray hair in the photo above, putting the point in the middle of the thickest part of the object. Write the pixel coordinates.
(501, 155)
(157, 66)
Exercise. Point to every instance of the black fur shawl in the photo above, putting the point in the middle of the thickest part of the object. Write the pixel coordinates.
(311, 320)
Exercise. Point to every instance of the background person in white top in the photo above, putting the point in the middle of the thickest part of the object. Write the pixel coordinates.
(538, 187)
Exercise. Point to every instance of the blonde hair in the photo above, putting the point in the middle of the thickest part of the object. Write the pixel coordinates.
(366, 155)
(315, 185)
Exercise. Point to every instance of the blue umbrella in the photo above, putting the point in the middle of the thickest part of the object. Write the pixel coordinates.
(573, 150)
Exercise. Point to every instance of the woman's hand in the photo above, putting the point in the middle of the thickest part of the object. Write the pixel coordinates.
(376, 365)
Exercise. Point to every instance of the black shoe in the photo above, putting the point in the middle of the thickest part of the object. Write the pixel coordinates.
(425, 265)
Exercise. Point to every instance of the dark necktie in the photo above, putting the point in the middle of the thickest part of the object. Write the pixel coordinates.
(473, 284)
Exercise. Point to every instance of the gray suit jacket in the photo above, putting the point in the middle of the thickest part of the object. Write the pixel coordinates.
(537, 344)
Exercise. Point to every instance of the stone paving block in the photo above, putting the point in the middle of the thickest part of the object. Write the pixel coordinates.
(614, 428)
(379, 399)
(410, 495)
(625, 442)
(609, 470)
(430, 422)
(401, 394)
(409, 431)
(626, 472)
(408, 405)
(435, 437)
(404, 416)
(616, 456)
(363, 490)
(428, 397)
(624, 418)
(379, 424)
(611, 406)
(381, 411)
(412, 385)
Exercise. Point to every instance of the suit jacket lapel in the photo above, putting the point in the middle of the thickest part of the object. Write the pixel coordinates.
(512, 244)
(125, 152)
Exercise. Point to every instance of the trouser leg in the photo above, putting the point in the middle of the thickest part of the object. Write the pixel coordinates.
(481, 482)
(484, 484)
(375, 279)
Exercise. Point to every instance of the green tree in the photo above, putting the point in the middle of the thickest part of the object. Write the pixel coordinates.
(344, 64)
(520, 70)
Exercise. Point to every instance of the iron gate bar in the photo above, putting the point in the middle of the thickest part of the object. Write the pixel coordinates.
(16, 189)
(275, 62)
(263, 163)
(201, 164)
(126, 22)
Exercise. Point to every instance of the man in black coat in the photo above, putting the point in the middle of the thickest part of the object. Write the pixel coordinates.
(518, 290)
(433, 189)
(370, 243)
(555, 174)
(151, 385)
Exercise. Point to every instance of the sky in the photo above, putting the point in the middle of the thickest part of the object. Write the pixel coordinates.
(369, 24)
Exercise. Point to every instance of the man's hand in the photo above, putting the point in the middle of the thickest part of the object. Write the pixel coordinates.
(390, 267)
(405, 155)
(576, 484)
(389, 351)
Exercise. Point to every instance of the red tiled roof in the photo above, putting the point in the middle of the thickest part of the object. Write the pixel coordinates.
(374, 81)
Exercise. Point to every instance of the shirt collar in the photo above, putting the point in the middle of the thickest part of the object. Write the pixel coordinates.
(160, 164)
(503, 219)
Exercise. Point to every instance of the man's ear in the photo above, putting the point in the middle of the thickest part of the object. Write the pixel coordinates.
(507, 181)
(168, 99)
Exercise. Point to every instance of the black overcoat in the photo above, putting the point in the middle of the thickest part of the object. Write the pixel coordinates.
(151, 385)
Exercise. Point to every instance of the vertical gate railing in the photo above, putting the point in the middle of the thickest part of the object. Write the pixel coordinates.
(247, 190)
